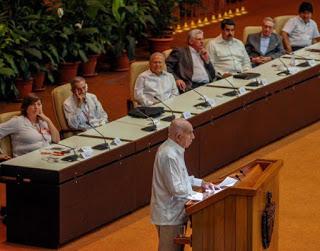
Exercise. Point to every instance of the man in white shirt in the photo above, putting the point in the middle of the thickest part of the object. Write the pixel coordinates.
(171, 185)
(300, 31)
(190, 65)
(155, 82)
(228, 54)
(82, 109)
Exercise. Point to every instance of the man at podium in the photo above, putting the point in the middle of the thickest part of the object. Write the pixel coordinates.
(172, 186)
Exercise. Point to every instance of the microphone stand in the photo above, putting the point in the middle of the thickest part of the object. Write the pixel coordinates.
(150, 128)
(70, 158)
(168, 118)
(102, 146)
(203, 104)
(235, 91)
(286, 72)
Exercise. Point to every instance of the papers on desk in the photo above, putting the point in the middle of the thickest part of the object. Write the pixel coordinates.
(227, 182)
(195, 196)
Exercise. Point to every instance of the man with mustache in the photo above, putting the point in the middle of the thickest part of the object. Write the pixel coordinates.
(300, 31)
(228, 54)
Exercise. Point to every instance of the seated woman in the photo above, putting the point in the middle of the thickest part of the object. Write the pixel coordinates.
(31, 130)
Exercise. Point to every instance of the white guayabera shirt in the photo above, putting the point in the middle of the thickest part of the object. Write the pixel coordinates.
(228, 56)
(171, 185)
(90, 111)
(149, 85)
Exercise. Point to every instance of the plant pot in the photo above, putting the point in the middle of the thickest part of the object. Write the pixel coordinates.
(160, 44)
(67, 72)
(24, 87)
(122, 62)
(38, 82)
(89, 67)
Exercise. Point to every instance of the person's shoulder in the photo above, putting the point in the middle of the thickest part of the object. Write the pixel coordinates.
(238, 41)
(68, 100)
(313, 23)
(18, 118)
(214, 40)
(91, 95)
(276, 36)
(145, 73)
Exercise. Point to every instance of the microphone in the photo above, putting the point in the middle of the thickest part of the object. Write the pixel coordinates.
(169, 118)
(287, 71)
(102, 146)
(69, 158)
(235, 91)
(150, 128)
(205, 103)
(255, 83)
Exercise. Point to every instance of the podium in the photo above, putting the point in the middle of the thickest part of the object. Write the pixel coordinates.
(242, 217)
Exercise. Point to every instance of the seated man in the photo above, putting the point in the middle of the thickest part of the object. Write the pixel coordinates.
(264, 46)
(191, 66)
(83, 109)
(155, 82)
(227, 53)
(300, 31)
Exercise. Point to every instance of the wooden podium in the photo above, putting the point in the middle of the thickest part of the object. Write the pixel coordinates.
(233, 218)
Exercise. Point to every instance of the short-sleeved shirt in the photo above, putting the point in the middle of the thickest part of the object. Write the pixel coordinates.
(25, 136)
(300, 33)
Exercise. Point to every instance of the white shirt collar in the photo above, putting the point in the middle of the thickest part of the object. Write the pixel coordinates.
(302, 21)
(221, 40)
(179, 148)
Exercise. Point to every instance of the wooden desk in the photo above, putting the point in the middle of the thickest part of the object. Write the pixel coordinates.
(50, 204)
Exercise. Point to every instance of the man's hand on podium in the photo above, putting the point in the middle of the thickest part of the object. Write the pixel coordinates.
(209, 186)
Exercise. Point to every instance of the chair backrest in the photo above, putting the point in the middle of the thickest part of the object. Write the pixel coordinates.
(250, 30)
(280, 21)
(59, 95)
(5, 143)
(135, 69)
(166, 53)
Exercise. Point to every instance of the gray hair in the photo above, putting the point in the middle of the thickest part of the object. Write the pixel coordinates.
(192, 34)
(157, 54)
(76, 80)
(268, 19)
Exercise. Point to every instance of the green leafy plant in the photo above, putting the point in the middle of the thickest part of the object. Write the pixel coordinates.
(128, 21)
(164, 18)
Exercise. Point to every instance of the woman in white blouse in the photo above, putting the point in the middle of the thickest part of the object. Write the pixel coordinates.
(31, 130)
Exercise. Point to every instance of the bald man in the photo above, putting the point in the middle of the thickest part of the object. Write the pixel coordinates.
(171, 185)
(155, 82)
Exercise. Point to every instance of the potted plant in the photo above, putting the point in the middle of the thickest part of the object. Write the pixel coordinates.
(77, 35)
(161, 30)
(129, 20)
(8, 71)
